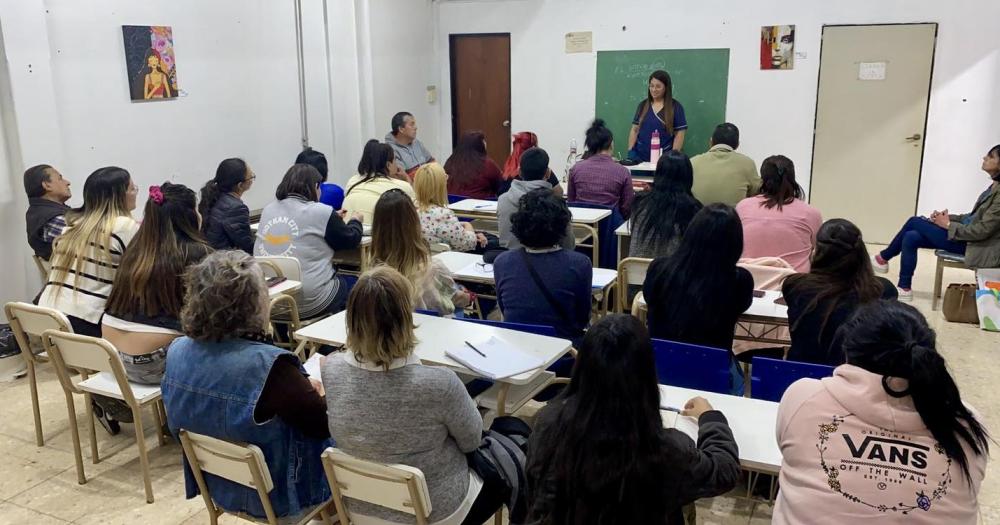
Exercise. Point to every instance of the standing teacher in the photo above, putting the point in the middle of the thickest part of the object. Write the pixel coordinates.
(659, 113)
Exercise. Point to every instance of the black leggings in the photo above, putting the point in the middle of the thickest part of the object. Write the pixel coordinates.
(491, 497)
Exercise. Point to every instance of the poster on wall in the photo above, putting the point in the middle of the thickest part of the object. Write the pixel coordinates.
(777, 47)
(150, 62)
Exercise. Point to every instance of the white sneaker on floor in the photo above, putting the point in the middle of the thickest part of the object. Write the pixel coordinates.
(904, 295)
(879, 268)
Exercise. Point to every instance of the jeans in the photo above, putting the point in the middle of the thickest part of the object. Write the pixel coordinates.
(917, 233)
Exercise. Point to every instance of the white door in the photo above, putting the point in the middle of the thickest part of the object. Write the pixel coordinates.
(871, 111)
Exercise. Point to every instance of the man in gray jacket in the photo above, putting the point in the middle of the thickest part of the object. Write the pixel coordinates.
(410, 152)
(534, 172)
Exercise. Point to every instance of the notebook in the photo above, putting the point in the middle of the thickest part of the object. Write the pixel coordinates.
(499, 359)
(312, 365)
(685, 424)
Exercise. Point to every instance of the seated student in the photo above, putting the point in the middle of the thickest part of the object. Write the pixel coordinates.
(438, 223)
(887, 439)
(410, 152)
(375, 177)
(397, 242)
(599, 452)
(224, 380)
(544, 283)
(721, 174)
(598, 179)
(512, 168)
(975, 234)
(778, 223)
(330, 194)
(819, 302)
(225, 218)
(471, 173)
(385, 406)
(534, 172)
(296, 225)
(85, 261)
(45, 219)
(696, 294)
(660, 216)
(143, 312)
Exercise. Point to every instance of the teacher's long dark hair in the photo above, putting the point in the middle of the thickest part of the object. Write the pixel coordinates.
(893, 339)
(665, 211)
(606, 444)
(667, 113)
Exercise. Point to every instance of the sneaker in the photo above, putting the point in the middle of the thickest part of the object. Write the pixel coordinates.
(879, 267)
(106, 421)
(905, 294)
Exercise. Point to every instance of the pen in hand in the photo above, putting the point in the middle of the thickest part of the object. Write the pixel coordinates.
(474, 348)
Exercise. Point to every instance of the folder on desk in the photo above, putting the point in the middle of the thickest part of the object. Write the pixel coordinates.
(498, 359)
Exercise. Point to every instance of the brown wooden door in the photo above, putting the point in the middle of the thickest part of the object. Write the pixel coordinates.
(480, 90)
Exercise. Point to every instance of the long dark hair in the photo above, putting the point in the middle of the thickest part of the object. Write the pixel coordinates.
(374, 163)
(149, 279)
(698, 276)
(841, 271)
(605, 453)
(466, 161)
(665, 211)
(302, 180)
(230, 174)
(778, 186)
(667, 113)
(598, 139)
(893, 339)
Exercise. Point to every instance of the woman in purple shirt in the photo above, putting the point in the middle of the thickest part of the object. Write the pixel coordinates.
(598, 179)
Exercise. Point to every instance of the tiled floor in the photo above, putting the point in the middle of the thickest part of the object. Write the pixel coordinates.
(39, 486)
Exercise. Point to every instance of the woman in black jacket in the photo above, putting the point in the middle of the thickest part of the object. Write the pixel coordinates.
(225, 219)
(599, 453)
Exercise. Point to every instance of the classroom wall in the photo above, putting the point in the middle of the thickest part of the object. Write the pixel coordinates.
(553, 93)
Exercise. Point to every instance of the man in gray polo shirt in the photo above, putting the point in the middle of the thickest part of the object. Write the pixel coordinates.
(410, 152)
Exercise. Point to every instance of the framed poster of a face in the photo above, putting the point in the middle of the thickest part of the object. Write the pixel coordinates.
(777, 47)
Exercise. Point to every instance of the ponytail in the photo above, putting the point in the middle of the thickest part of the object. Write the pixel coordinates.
(893, 339)
(230, 174)
(599, 138)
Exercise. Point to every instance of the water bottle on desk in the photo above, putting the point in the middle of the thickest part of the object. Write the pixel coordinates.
(570, 160)
(654, 147)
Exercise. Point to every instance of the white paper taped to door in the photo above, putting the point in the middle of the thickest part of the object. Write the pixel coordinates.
(871, 71)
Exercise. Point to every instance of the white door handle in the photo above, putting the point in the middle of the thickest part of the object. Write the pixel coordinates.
(506, 124)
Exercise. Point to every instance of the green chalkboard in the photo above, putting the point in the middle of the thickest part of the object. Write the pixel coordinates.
(700, 78)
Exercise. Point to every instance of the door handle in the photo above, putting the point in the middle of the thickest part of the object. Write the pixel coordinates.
(915, 137)
(506, 124)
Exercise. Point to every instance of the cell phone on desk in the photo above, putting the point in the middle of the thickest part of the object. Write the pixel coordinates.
(275, 281)
(758, 293)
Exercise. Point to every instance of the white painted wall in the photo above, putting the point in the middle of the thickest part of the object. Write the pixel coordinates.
(553, 93)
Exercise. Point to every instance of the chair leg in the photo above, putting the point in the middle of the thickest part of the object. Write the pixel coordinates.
(498, 517)
(74, 432)
(140, 440)
(33, 385)
(159, 423)
(938, 277)
(92, 428)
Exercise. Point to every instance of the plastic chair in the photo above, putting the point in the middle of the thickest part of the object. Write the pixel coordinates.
(91, 355)
(692, 366)
(27, 319)
(771, 377)
(243, 464)
(398, 487)
(945, 259)
(631, 272)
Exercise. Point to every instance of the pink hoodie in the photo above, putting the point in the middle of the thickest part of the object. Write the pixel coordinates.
(853, 454)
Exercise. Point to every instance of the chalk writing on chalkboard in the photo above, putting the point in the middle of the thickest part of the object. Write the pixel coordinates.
(639, 70)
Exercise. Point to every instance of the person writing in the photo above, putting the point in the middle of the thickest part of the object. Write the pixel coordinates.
(975, 234)
(659, 114)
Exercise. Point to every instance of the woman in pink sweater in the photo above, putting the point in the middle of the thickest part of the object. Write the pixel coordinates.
(887, 439)
(778, 223)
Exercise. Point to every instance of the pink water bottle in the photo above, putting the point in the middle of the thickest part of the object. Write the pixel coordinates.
(654, 147)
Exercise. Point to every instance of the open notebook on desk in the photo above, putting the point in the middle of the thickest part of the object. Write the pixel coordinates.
(494, 358)
(685, 424)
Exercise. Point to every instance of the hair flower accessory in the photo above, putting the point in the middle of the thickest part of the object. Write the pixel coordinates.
(155, 194)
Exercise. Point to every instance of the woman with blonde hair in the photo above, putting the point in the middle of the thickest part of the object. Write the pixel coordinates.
(397, 242)
(437, 222)
(385, 406)
(224, 379)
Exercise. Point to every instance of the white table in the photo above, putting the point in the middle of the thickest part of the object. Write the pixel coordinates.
(642, 172)
(753, 422)
(624, 235)
(438, 334)
(476, 208)
(468, 267)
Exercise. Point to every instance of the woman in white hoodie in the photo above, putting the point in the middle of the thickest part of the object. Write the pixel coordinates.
(887, 439)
